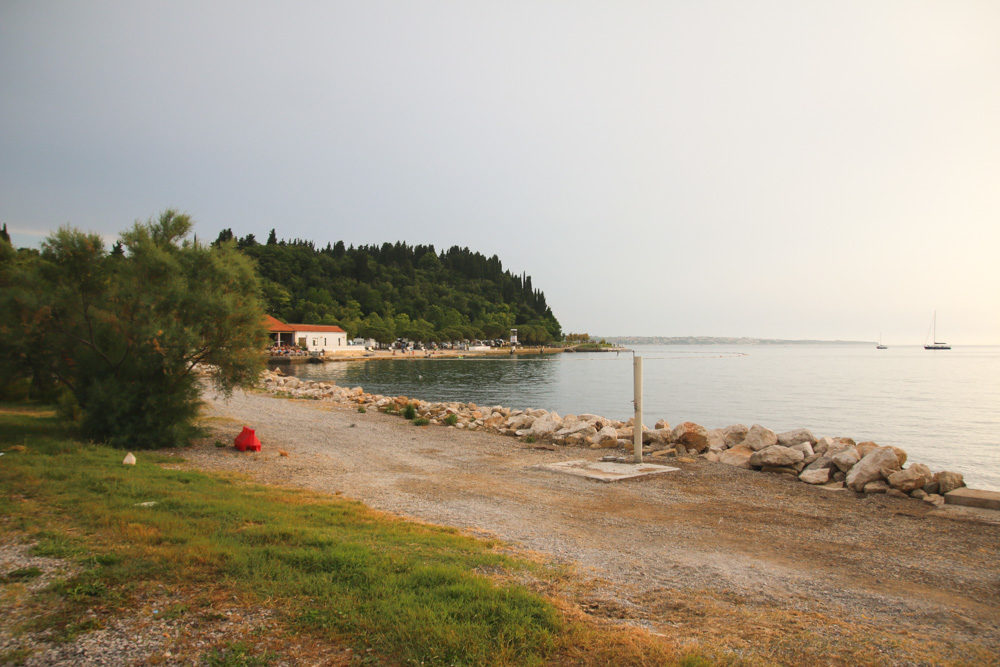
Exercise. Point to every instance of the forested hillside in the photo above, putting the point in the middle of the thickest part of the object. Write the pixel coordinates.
(398, 290)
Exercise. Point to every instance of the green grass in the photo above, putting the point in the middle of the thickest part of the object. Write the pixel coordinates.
(236, 655)
(451, 419)
(409, 592)
(20, 574)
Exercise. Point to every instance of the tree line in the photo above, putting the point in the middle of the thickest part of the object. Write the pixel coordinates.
(397, 290)
(119, 337)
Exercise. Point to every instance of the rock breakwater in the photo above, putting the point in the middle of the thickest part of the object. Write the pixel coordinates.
(829, 463)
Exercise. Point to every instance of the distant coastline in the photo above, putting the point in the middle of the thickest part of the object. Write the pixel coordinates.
(719, 340)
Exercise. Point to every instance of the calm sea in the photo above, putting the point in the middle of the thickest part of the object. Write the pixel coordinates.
(942, 407)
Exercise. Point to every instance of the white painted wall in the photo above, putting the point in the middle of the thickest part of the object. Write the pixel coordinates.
(327, 341)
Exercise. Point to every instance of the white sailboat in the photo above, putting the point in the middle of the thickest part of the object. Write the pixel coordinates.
(880, 346)
(935, 344)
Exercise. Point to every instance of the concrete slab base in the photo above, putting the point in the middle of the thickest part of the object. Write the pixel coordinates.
(987, 500)
(606, 471)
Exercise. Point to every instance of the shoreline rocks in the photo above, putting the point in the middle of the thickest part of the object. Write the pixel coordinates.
(828, 463)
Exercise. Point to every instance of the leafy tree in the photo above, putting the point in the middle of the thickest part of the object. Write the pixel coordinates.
(124, 334)
(25, 368)
(224, 235)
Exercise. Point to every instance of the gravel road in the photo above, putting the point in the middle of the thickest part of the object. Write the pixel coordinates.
(687, 554)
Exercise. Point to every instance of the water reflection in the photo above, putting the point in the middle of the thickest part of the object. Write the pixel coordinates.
(518, 382)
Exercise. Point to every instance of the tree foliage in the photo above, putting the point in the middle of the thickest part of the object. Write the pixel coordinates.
(124, 331)
(398, 290)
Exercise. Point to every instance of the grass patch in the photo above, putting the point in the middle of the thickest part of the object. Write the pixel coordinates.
(421, 421)
(451, 419)
(237, 654)
(17, 656)
(362, 409)
(410, 411)
(21, 574)
(401, 591)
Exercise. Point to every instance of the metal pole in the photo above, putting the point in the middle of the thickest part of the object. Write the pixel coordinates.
(637, 422)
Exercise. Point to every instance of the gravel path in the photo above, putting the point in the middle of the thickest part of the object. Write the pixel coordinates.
(710, 546)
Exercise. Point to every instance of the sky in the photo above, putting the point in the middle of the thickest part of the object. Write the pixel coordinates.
(782, 169)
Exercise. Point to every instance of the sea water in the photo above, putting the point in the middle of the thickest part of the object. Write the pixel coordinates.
(942, 407)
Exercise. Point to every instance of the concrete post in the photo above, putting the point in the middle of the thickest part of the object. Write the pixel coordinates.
(637, 422)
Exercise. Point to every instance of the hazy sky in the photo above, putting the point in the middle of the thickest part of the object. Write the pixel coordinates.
(786, 169)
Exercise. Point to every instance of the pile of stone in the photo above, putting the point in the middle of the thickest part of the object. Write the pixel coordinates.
(832, 463)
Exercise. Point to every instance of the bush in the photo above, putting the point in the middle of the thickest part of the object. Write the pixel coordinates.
(451, 419)
(362, 409)
(421, 421)
(409, 412)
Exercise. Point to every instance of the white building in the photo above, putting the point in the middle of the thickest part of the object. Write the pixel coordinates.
(319, 337)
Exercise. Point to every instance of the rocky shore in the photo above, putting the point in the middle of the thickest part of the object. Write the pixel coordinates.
(829, 463)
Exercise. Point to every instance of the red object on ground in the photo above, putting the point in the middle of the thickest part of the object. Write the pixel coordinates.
(247, 441)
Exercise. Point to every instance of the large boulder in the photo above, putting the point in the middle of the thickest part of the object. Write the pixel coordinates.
(519, 422)
(716, 440)
(822, 445)
(659, 436)
(878, 486)
(912, 478)
(878, 464)
(738, 456)
(775, 455)
(845, 459)
(693, 436)
(607, 437)
(577, 427)
(735, 434)
(791, 471)
(815, 475)
(795, 436)
(864, 448)
(805, 448)
(901, 455)
(545, 426)
(760, 437)
(948, 481)
(821, 463)
(494, 421)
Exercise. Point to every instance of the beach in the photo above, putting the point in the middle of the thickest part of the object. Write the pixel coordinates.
(742, 560)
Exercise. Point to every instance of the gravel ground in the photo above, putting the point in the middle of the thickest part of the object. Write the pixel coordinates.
(683, 553)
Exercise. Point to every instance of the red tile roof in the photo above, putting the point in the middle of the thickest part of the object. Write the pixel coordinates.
(274, 325)
(316, 327)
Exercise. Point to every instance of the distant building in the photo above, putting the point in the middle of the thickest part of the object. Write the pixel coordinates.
(312, 337)
(319, 337)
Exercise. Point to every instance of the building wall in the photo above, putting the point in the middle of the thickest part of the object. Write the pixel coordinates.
(327, 341)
